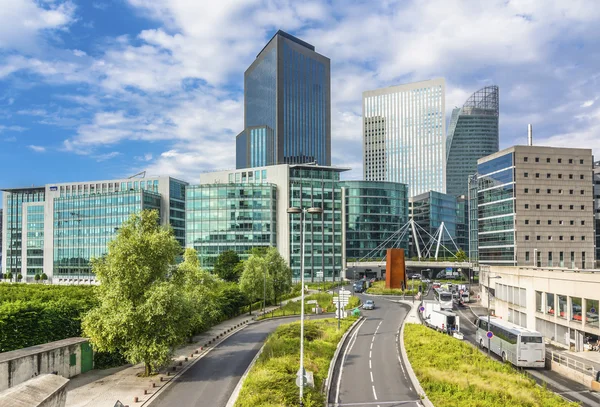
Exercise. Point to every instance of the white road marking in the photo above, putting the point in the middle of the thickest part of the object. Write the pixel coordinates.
(371, 377)
(370, 354)
(371, 345)
(370, 367)
(348, 349)
(374, 394)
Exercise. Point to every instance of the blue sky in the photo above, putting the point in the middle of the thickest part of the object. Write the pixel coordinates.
(100, 89)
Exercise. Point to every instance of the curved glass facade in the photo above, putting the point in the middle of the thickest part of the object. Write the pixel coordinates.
(374, 212)
(472, 134)
(233, 216)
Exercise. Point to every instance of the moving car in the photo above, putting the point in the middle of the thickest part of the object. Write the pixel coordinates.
(359, 286)
(369, 304)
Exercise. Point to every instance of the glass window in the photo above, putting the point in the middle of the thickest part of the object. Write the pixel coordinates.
(570, 161)
(576, 309)
(538, 301)
(547, 160)
(526, 190)
(560, 160)
(537, 159)
(591, 315)
(550, 303)
(562, 258)
(548, 175)
(580, 161)
(525, 159)
(537, 174)
(527, 253)
(562, 306)
(526, 175)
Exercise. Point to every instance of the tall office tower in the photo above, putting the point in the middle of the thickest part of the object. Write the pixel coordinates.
(472, 134)
(287, 106)
(596, 209)
(404, 135)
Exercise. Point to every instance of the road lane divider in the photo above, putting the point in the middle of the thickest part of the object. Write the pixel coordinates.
(346, 343)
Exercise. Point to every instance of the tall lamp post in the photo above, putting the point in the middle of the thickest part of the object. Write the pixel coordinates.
(488, 310)
(302, 212)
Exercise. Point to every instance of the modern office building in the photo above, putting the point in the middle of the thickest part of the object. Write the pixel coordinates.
(279, 187)
(1, 239)
(473, 220)
(560, 303)
(596, 209)
(462, 223)
(287, 106)
(236, 216)
(404, 131)
(57, 228)
(429, 211)
(374, 214)
(472, 134)
(536, 207)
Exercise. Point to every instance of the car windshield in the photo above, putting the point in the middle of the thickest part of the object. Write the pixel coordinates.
(369, 302)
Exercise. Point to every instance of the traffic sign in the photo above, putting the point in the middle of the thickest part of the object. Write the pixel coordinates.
(489, 334)
(592, 310)
(421, 309)
(301, 379)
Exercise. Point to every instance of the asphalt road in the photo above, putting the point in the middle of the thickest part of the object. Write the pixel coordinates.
(372, 373)
(211, 381)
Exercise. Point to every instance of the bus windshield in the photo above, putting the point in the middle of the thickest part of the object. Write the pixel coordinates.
(445, 297)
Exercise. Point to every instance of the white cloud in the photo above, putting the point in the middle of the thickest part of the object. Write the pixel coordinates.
(107, 156)
(21, 21)
(11, 128)
(37, 149)
(587, 103)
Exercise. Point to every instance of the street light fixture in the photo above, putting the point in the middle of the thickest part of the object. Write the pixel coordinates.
(488, 311)
(302, 212)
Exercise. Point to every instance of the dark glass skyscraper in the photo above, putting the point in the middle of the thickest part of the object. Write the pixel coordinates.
(287, 106)
(472, 134)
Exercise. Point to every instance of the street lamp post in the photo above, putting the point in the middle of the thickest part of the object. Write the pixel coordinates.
(302, 213)
(488, 311)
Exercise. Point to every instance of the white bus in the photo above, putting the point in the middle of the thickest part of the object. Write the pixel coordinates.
(520, 346)
(444, 298)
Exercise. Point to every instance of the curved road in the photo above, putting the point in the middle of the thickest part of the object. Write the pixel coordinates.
(211, 380)
(372, 373)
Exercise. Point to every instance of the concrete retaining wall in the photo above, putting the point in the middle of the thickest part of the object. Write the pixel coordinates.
(21, 365)
(43, 391)
(572, 374)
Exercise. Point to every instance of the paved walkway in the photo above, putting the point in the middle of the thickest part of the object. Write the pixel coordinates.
(102, 388)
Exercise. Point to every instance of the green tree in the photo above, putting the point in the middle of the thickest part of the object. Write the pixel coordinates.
(225, 266)
(9, 276)
(37, 278)
(44, 277)
(252, 281)
(279, 271)
(141, 311)
(19, 277)
(461, 256)
(200, 290)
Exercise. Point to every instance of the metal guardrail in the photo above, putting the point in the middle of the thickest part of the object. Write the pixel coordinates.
(571, 363)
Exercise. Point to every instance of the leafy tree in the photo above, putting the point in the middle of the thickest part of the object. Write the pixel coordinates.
(225, 266)
(231, 299)
(200, 291)
(142, 312)
(461, 256)
(37, 278)
(279, 271)
(19, 277)
(252, 281)
(44, 277)
(259, 251)
(8, 276)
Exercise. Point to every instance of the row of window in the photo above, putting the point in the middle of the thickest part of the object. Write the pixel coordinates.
(549, 206)
(559, 160)
(560, 191)
(560, 222)
(538, 237)
(561, 259)
(548, 175)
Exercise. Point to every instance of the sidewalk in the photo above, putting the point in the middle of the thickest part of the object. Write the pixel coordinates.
(102, 388)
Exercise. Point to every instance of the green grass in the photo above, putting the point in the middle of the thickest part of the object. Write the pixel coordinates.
(272, 380)
(378, 288)
(454, 373)
(324, 300)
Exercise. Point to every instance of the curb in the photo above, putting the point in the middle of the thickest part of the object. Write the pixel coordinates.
(411, 373)
(238, 388)
(203, 351)
(335, 358)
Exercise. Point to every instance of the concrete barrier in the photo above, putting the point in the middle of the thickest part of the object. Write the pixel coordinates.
(572, 374)
(47, 390)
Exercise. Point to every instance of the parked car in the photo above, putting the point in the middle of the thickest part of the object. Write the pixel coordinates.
(369, 304)
(426, 280)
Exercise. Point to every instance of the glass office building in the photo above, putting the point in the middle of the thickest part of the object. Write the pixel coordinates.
(375, 212)
(496, 210)
(428, 211)
(473, 220)
(13, 249)
(462, 223)
(287, 106)
(33, 240)
(472, 134)
(232, 216)
(311, 186)
(84, 224)
(404, 131)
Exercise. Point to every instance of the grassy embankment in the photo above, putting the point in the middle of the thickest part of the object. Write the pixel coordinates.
(378, 288)
(454, 373)
(272, 380)
(324, 300)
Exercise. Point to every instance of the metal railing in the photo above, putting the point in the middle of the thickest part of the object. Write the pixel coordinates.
(571, 363)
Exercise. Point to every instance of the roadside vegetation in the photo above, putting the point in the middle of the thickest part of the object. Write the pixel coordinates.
(272, 380)
(454, 373)
(324, 300)
(378, 288)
